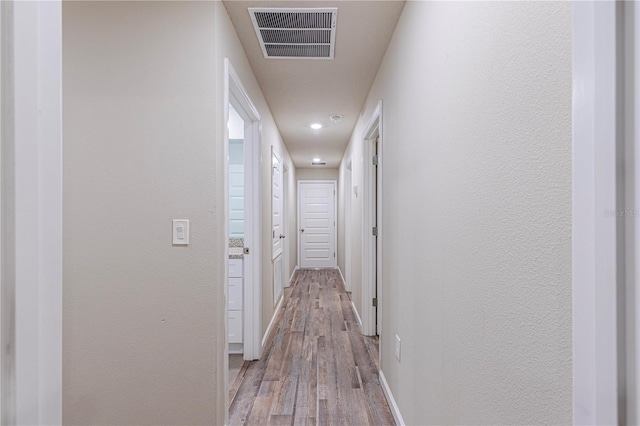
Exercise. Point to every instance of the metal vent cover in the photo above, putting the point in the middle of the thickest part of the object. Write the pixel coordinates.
(295, 33)
(318, 163)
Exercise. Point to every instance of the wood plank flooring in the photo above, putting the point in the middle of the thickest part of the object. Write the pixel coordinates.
(317, 367)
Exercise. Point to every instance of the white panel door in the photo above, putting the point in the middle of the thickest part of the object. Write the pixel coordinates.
(277, 280)
(317, 224)
(236, 200)
(276, 205)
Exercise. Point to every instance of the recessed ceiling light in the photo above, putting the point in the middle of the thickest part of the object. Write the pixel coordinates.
(316, 126)
(335, 117)
(315, 160)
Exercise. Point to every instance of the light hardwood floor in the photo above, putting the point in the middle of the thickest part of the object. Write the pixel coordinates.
(317, 368)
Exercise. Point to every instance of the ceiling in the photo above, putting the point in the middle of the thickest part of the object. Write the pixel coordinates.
(304, 91)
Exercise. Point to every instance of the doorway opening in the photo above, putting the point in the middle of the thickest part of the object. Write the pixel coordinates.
(242, 228)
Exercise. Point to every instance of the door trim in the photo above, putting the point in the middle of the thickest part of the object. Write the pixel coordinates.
(335, 215)
(236, 94)
(369, 242)
(594, 243)
(286, 213)
(631, 13)
(348, 225)
(31, 40)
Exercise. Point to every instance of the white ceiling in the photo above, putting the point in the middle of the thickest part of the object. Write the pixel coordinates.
(304, 91)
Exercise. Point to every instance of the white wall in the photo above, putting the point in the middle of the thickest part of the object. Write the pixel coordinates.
(318, 173)
(477, 212)
(143, 110)
(142, 320)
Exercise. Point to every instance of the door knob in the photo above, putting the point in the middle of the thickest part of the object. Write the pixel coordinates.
(281, 236)
(302, 230)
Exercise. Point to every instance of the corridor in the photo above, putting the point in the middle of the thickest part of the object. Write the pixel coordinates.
(276, 183)
(317, 367)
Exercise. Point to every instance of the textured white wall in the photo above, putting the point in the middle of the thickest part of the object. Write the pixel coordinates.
(142, 319)
(477, 208)
(143, 126)
(319, 173)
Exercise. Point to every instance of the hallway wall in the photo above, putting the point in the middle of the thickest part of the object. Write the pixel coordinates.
(144, 321)
(477, 212)
(316, 174)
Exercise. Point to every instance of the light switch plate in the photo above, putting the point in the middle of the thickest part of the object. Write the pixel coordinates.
(181, 232)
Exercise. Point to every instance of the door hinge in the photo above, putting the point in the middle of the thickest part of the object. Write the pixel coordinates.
(334, 254)
(374, 231)
(374, 302)
(376, 160)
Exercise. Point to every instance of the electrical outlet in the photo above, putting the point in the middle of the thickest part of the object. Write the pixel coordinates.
(397, 348)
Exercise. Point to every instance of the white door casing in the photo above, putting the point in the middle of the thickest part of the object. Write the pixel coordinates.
(286, 265)
(31, 110)
(317, 215)
(348, 224)
(372, 263)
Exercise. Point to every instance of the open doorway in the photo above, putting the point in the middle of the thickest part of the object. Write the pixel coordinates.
(243, 291)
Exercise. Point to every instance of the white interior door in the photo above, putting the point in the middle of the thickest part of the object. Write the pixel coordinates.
(278, 225)
(317, 224)
(277, 233)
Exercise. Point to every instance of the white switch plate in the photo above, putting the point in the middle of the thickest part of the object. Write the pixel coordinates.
(397, 348)
(181, 232)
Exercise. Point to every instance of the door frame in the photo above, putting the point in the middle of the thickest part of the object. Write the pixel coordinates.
(335, 216)
(632, 139)
(348, 224)
(372, 246)
(599, 249)
(236, 95)
(31, 201)
(285, 224)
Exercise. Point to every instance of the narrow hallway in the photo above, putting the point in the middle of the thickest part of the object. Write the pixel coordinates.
(317, 367)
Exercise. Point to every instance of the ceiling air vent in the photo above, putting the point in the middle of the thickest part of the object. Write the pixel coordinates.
(295, 33)
(318, 163)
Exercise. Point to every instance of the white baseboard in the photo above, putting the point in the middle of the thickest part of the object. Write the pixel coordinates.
(273, 321)
(292, 275)
(391, 400)
(344, 282)
(355, 312)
